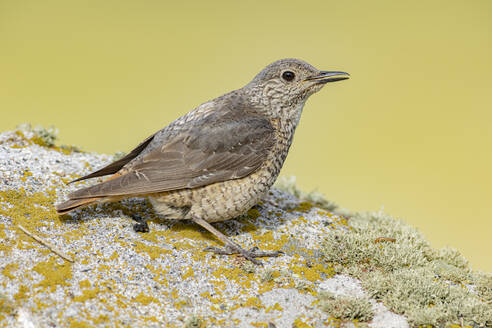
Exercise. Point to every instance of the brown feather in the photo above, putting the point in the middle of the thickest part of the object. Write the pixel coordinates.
(72, 204)
(117, 165)
(231, 147)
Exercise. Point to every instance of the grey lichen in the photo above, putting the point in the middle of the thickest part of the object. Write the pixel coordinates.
(42, 136)
(47, 136)
(193, 322)
(248, 267)
(288, 184)
(118, 155)
(267, 275)
(346, 308)
(397, 266)
(483, 286)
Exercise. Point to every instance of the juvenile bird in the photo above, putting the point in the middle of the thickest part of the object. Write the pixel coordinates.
(220, 159)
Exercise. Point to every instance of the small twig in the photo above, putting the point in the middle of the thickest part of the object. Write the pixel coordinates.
(46, 244)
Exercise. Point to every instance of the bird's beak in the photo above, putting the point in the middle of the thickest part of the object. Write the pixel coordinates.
(327, 76)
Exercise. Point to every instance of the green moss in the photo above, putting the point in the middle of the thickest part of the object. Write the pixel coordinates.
(304, 207)
(74, 323)
(3, 235)
(397, 266)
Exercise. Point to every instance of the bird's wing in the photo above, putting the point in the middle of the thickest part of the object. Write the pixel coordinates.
(117, 165)
(214, 149)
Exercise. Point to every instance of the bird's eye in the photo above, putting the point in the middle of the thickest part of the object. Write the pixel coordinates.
(288, 75)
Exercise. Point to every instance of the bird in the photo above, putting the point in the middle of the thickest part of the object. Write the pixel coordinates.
(217, 161)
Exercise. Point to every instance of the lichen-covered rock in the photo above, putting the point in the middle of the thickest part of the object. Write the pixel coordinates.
(163, 278)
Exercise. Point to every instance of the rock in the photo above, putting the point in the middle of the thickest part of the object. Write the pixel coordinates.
(163, 278)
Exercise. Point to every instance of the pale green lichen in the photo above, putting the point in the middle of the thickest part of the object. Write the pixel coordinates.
(118, 155)
(268, 275)
(397, 266)
(193, 322)
(483, 286)
(346, 308)
(288, 184)
(248, 267)
(44, 136)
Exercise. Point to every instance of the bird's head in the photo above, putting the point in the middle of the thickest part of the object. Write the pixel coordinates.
(287, 83)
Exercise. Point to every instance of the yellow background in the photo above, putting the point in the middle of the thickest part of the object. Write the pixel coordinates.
(411, 130)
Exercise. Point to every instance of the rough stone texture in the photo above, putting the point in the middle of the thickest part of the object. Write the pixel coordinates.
(163, 278)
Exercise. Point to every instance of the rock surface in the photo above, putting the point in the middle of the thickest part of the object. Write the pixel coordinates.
(162, 278)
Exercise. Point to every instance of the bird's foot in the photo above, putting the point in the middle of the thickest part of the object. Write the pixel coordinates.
(250, 255)
(141, 225)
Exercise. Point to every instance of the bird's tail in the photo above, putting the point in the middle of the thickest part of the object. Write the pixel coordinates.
(72, 204)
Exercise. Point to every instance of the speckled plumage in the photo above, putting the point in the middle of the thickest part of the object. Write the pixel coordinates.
(217, 161)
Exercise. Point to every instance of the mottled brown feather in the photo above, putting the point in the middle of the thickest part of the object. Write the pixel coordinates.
(117, 165)
(225, 147)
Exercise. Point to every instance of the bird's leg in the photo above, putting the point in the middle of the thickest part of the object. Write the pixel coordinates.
(231, 247)
(141, 225)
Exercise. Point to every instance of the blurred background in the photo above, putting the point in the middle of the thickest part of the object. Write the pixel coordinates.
(410, 131)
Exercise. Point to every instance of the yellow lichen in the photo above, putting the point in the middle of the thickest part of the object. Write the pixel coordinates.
(22, 293)
(303, 207)
(253, 214)
(275, 306)
(236, 274)
(298, 323)
(87, 294)
(192, 232)
(189, 273)
(84, 284)
(54, 273)
(144, 299)
(153, 252)
(7, 270)
(312, 273)
(253, 302)
(31, 211)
